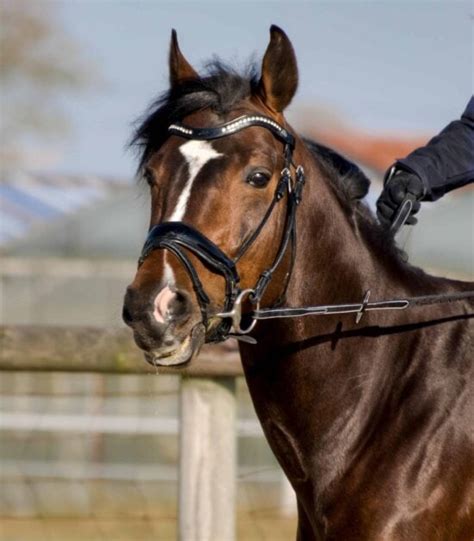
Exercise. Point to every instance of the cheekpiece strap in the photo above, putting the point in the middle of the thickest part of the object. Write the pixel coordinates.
(206, 134)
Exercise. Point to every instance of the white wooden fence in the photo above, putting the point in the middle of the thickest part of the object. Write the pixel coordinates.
(208, 420)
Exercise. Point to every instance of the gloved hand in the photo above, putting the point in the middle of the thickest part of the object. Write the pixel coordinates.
(396, 188)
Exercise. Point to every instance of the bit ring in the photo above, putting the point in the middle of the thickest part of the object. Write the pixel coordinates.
(235, 314)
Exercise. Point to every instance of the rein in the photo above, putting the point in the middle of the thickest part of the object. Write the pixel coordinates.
(178, 238)
(331, 309)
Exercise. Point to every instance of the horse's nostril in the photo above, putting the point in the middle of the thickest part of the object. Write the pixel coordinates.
(168, 306)
(127, 316)
(171, 306)
(179, 305)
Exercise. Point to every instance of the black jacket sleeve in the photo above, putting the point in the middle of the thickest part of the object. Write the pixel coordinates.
(447, 161)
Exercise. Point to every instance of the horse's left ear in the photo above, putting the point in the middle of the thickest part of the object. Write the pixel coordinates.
(279, 78)
(180, 69)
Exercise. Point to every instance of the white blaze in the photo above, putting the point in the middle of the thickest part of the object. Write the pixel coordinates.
(196, 154)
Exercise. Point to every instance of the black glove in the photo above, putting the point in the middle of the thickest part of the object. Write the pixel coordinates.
(396, 188)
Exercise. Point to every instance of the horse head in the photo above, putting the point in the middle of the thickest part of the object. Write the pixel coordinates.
(216, 152)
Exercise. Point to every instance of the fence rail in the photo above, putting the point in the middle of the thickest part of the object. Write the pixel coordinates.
(85, 349)
(106, 424)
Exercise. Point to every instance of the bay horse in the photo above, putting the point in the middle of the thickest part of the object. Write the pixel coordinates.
(371, 421)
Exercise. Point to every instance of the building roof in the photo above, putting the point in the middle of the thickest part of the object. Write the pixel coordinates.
(30, 200)
(377, 152)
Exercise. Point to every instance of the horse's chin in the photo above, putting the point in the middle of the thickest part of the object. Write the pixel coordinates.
(183, 353)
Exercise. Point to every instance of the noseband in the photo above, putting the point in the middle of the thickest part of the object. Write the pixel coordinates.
(180, 238)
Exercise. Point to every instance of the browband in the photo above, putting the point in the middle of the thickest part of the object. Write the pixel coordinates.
(205, 134)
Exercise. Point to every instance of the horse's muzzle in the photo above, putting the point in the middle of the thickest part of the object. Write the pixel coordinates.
(162, 324)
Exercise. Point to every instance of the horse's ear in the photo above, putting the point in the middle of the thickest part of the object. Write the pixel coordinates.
(279, 78)
(180, 68)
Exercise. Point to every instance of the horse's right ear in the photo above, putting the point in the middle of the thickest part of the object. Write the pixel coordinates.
(180, 68)
(279, 72)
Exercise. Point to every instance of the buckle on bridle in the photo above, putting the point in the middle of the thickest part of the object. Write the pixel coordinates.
(363, 307)
(235, 314)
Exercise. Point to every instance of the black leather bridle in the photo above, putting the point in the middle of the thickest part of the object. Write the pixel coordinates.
(180, 238)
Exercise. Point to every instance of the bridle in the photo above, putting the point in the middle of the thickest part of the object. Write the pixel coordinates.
(180, 238)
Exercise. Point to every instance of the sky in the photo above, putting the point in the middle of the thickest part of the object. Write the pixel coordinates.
(384, 67)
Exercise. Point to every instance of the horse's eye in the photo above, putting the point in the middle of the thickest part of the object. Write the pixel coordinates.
(259, 179)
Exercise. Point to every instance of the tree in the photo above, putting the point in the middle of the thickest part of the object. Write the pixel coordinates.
(38, 63)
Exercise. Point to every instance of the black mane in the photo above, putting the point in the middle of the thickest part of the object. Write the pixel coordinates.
(347, 179)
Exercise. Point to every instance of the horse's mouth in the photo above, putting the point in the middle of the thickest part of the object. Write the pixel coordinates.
(181, 354)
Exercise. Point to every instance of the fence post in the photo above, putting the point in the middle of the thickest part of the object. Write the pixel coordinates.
(207, 473)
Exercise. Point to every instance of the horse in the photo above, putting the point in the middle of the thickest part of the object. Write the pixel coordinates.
(370, 418)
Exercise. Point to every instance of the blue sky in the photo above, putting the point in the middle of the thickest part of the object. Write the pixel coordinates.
(382, 66)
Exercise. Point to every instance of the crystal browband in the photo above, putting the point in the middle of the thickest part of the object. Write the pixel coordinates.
(231, 127)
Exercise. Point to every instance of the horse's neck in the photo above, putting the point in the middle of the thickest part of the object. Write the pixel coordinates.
(307, 385)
